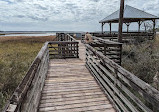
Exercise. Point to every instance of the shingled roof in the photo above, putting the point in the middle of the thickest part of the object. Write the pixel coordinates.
(131, 14)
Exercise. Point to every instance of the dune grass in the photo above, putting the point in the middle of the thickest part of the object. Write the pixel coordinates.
(142, 59)
(16, 55)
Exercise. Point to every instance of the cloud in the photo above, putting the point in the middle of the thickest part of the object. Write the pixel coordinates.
(66, 13)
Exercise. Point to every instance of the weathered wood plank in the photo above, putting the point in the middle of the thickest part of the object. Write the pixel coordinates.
(68, 87)
(73, 83)
(63, 99)
(64, 107)
(72, 92)
(70, 95)
(72, 102)
(48, 91)
(86, 108)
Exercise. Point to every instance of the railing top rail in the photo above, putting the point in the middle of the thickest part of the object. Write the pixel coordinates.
(123, 32)
(149, 90)
(106, 41)
(71, 37)
(65, 37)
(62, 42)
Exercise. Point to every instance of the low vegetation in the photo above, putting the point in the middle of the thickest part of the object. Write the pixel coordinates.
(142, 59)
(16, 55)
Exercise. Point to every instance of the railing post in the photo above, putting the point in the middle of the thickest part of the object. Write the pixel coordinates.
(120, 54)
(77, 50)
(105, 48)
(116, 76)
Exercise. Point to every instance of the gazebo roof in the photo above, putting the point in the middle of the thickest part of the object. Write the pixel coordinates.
(131, 14)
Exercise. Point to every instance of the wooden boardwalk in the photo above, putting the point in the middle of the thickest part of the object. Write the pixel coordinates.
(68, 84)
(69, 87)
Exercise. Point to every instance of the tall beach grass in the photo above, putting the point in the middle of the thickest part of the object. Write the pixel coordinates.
(16, 55)
(143, 60)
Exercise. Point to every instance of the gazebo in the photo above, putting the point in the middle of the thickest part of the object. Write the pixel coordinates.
(131, 14)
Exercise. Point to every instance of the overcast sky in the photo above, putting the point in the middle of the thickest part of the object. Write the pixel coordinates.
(63, 15)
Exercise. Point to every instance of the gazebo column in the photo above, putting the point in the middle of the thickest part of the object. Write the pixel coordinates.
(145, 27)
(110, 24)
(154, 24)
(139, 22)
(127, 24)
(102, 27)
(154, 31)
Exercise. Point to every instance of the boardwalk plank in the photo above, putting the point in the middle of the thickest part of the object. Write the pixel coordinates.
(74, 106)
(72, 92)
(73, 102)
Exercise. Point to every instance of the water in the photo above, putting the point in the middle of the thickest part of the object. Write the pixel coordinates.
(28, 33)
(36, 33)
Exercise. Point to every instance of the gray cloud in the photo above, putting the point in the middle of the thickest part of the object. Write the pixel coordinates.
(66, 13)
(40, 7)
(19, 16)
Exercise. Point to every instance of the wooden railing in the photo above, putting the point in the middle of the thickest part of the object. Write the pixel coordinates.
(127, 92)
(64, 37)
(63, 49)
(111, 49)
(27, 95)
(65, 46)
(127, 36)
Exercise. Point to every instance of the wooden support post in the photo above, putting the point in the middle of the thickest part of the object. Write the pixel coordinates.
(154, 25)
(127, 24)
(102, 27)
(145, 27)
(110, 24)
(140, 22)
(139, 26)
(105, 48)
(121, 20)
(154, 31)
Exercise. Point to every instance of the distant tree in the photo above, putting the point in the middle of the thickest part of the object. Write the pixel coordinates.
(147, 26)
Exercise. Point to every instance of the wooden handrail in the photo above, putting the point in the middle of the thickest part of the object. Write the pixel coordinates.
(126, 35)
(18, 99)
(105, 41)
(64, 37)
(127, 92)
(63, 49)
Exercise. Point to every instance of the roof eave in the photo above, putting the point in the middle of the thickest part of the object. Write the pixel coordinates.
(108, 21)
(114, 20)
